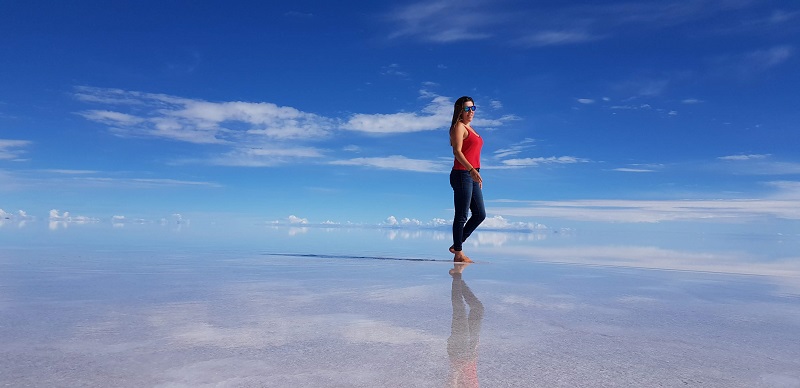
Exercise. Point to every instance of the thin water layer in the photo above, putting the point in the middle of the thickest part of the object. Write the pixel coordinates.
(555, 314)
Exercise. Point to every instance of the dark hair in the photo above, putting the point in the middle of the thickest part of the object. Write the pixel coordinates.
(458, 108)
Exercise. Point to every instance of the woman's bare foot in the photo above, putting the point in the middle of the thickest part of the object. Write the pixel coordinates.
(458, 268)
(460, 257)
(452, 250)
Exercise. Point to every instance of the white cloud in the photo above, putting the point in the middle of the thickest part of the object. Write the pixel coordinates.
(436, 115)
(692, 101)
(496, 104)
(12, 149)
(395, 162)
(586, 101)
(533, 162)
(439, 222)
(111, 118)
(628, 169)
(264, 156)
(199, 121)
(391, 220)
(410, 222)
(297, 220)
(744, 157)
(500, 223)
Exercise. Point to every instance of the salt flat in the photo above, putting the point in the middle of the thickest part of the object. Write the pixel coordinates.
(281, 316)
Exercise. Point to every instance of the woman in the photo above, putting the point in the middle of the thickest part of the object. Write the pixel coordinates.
(465, 178)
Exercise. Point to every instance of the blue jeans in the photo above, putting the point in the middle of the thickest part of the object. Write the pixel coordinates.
(467, 196)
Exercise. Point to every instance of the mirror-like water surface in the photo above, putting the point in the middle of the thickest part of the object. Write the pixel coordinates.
(167, 306)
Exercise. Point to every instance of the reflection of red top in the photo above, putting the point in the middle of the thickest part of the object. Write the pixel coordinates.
(466, 374)
(471, 148)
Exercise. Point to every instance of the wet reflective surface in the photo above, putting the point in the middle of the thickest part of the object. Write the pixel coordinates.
(369, 308)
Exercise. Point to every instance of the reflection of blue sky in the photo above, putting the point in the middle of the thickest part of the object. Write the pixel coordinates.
(189, 317)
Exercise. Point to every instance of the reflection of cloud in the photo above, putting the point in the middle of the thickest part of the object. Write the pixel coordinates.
(653, 211)
(20, 218)
(405, 295)
(657, 258)
(118, 221)
(294, 231)
(530, 302)
(373, 331)
(58, 220)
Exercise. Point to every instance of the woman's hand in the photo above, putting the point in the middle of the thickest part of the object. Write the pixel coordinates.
(476, 176)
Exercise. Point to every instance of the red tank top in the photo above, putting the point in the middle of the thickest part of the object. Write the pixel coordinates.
(471, 148)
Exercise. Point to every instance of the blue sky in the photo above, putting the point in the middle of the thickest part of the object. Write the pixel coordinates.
(606, 111)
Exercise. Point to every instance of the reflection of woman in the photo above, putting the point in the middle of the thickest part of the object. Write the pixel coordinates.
(462, 345)
(465, 178)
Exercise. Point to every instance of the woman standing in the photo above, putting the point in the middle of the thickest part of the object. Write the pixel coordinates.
(465, 178)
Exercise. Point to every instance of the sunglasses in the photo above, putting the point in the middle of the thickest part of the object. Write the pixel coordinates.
(470, 108)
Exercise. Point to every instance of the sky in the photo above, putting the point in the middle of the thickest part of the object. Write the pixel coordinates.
(310, 112)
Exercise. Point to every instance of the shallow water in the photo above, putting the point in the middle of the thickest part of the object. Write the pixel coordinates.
(166, 306)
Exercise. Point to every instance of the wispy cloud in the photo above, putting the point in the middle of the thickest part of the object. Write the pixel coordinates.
(554, 38)
(786, 190)
(533, 162)
(749, 64)
(514, 149)
(628, 169)
(756, 164)
(761, 60)
(139, 182)
(395, 162)
(529, 24)
(443, 21)
(394, 70)
(199, 121)
(12, 149)
(264, 156)
(261, 134)
(70, 172)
